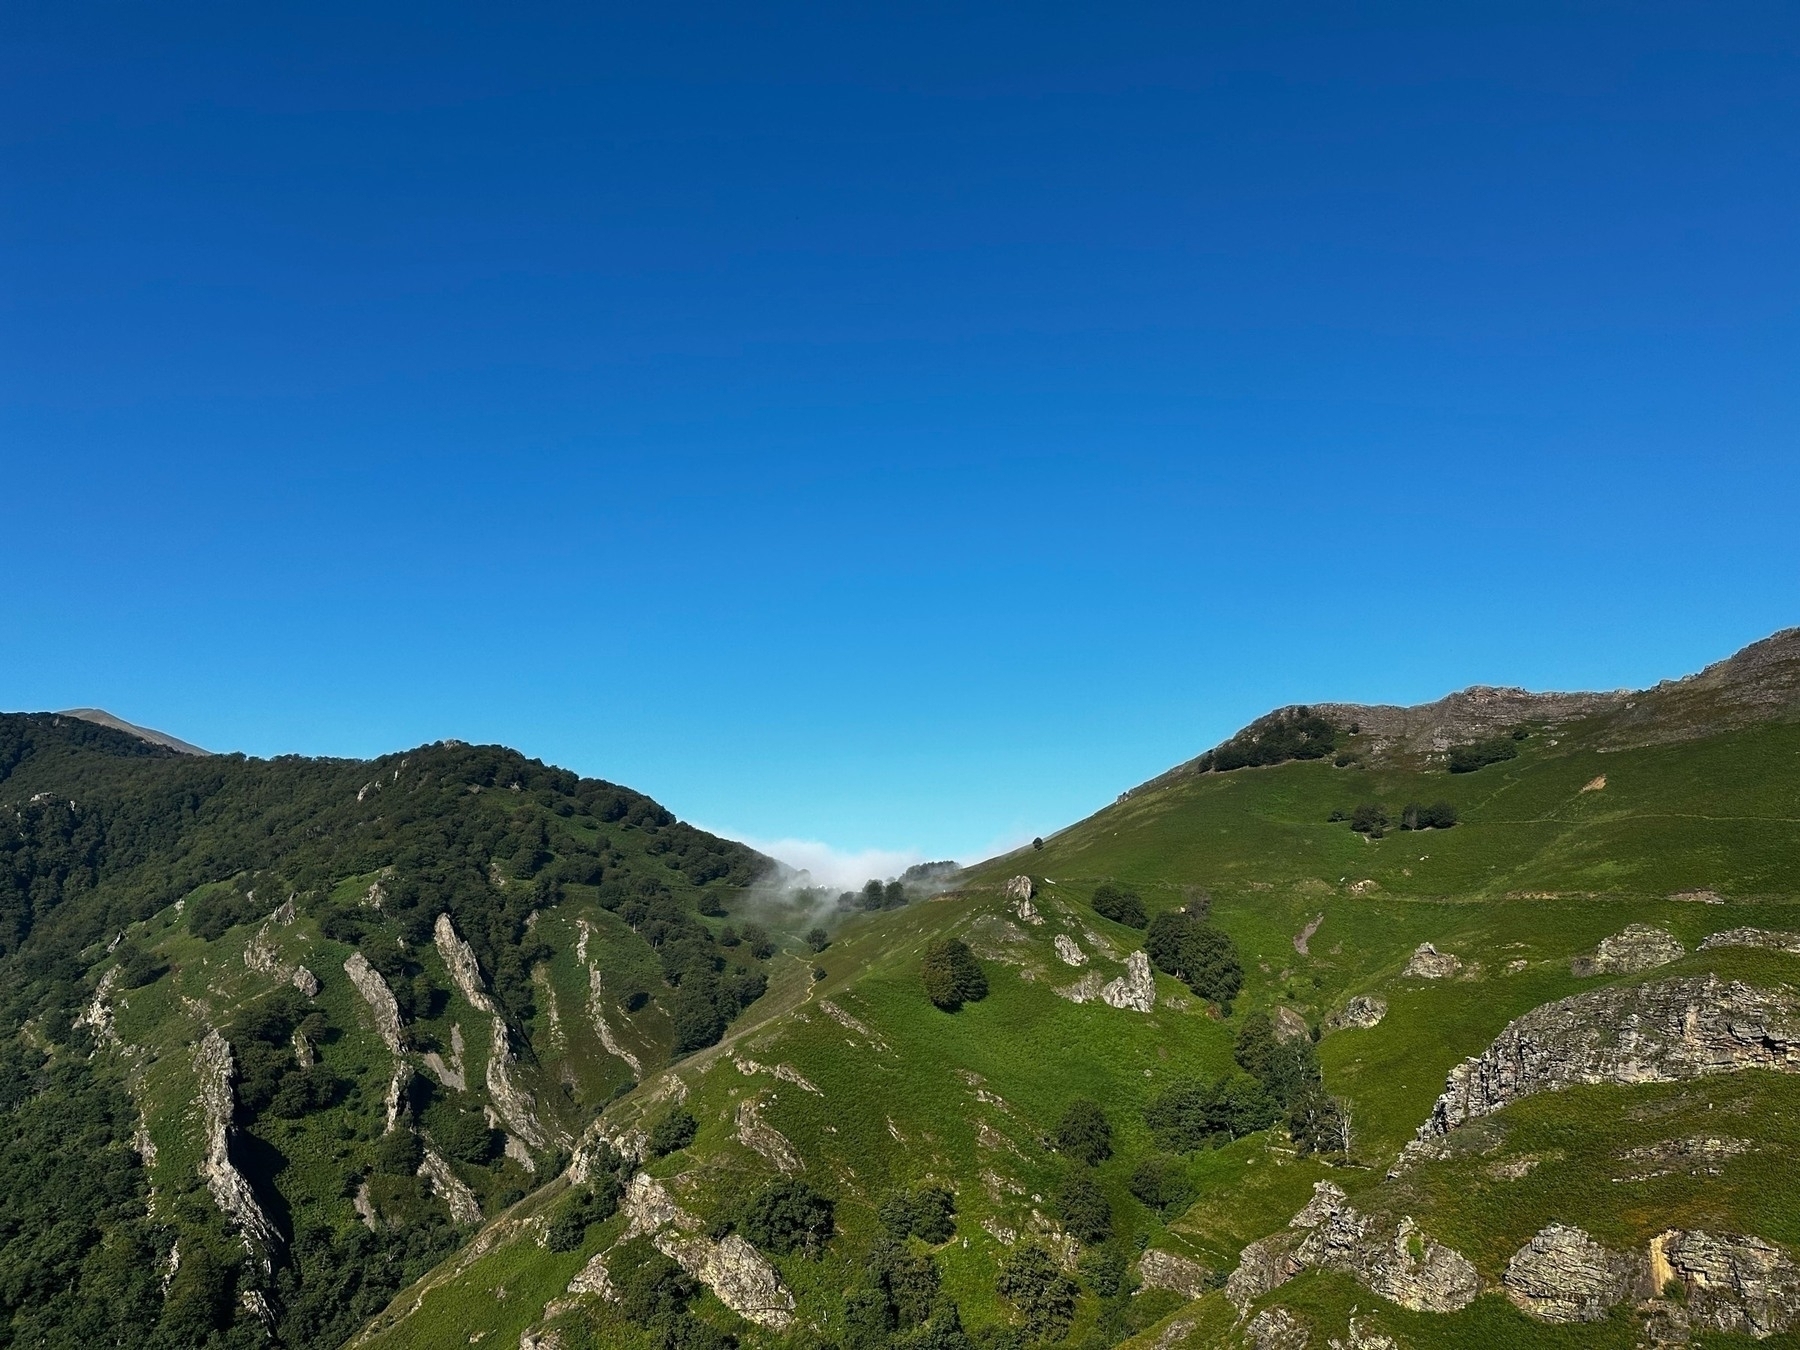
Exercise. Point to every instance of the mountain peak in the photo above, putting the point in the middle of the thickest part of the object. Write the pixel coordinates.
(100, 717)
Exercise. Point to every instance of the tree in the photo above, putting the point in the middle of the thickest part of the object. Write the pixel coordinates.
(1033, 1283)
(1436, 816)
(1124, 907)
(674, 1129)
(582, 1206)
(952, 975)
(1190, 1114)
(1084, 1132)
(1038, 843)
(1286, 1069)
(1198, 954)
(817, 939)
(788, 1216)
(1085, 1210)
(928, 1214)
(1319, 1122)
(1370, 818)
(873, 894)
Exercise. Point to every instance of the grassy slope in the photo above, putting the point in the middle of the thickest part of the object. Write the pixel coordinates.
(1538, 871)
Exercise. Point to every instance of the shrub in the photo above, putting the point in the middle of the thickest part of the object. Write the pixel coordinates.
(650, 1286)
(1124, 907)
(817, 940)
(1161, 1183)
(1480, 754)
(1105, 1270)
(1192, 1114)
(1436, 816)
(583, 1206)
(1371, 818)
(1317, 1122)
(1084, 1132)
(928, 1214)
(788, 1216)
(1292, 733)
(398, 1153)
(952, 975)
(674, 1129)
(1032, 1282)
(1084, 1208)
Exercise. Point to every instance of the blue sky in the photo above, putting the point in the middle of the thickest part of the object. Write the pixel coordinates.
(900, 429)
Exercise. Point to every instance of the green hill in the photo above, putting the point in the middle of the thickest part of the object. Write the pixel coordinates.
(1472, 1024)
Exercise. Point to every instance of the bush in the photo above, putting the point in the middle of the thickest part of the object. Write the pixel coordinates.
(788, 1216)
(1105, 1270)
(1084, 1208)
(952, 975)
(1480, 754)
(1286, 1069)
(674, 1129)
(817, 940)
(1192, 1114)
(1161, 1183)
(650, 1286)
(1292, 733)
(1032, 1282)
(1084, 1132)
(583, 1206)
(928, 1214)
(1124, 907)
(1371, 818)
(1436, 816)
(398, 1153)
(1199, 955)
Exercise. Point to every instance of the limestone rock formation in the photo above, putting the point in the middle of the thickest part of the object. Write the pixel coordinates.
(1085, 990)
(459, 960)
(1018, 888)
(1753, 937)
(379, 997)
(604, 1028)
(734, 1270)
(450, 1072)
(1364, 1010)
(448, 1187)
(1731, 1282)
(228, 1187)
(1428, 963)
(1637, 947)
(1563, 1275)
(1652, 1033)
(513, 1102)
(759, 1136)
(1069, 950)
(1135, 989)
(1277, 1329)
(1399, 1263)
(1289, 1025)
(1166, 1270)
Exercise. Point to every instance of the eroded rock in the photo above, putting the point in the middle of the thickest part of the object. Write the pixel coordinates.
(1731, 1282)
(459, 960)
(1753, 937)
(603, 1028)
(1068, 950)
(759, 1136)
(230, 1191)
(734, 1270)
(1428, 963)
(1364, 1010)
(1651, 1033)
(1135, 990)
(379, 997)
(1278, 1329)
(513, 1102)
(1166, 1270)
(1563, 1275)
(1289, 1025)
(1635, 948)
(445, 1184)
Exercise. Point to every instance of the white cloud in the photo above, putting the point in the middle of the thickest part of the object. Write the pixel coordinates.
(837, 869)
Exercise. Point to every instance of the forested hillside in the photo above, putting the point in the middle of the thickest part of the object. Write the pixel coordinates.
(279, 1031)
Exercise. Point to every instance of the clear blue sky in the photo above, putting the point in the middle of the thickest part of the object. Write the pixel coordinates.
(897, 428)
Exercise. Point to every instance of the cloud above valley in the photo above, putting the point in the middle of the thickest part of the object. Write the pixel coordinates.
(834, 868)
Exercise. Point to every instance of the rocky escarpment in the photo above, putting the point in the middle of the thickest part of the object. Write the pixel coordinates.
(459, 960)
(1728, 1282)
(1394, 1260)
(380, 999)
(449, 1188)
(1652, 1033)
(733, 1269)
(513, 1103)
(1636, 948)
(1753, 937)
(231, 1192)
(1167, 1270)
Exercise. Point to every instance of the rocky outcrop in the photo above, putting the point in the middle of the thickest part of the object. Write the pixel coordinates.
(604, 1029)
(228, 1187)
(1428, 963)
(450, 1073)
(1753, 937)
(1084, 990)
(513, 1103)
(1018, 889)
(759, 1136)
(594, 1278)
(1637, 947)
(380, 999)
(1135, 990)
(1563, 1275)
(1305, 935)
(1364, 1010)
(459, 960)
(1730, 1282)
(260, 955)
(734, 1270)
(1696, 1156)
(395, 1103)
(1289, 1025)
(1398, 1262)
(98, 1015)
(1166, 1270)
(446, 1186)
(1068, 950)
(1277, 1329)
(1363, 1337)
(1664, 1032)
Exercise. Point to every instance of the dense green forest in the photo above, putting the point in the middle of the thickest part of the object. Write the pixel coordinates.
(127, 869)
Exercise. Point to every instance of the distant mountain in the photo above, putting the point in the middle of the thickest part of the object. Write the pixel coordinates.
(100, 717)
